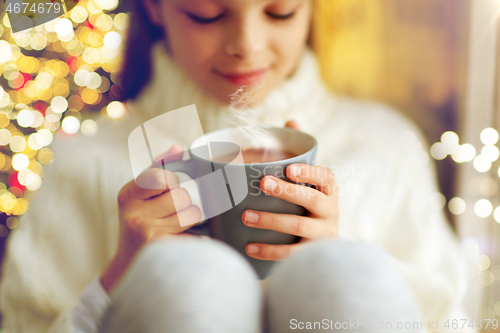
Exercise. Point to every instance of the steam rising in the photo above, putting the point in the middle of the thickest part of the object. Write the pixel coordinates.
(245, 119)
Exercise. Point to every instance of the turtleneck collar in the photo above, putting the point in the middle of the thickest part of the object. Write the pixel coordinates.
(169, 89)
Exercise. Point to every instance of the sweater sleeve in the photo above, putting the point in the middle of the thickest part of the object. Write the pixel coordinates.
(93, 303)
(85, 317)
(60, 245)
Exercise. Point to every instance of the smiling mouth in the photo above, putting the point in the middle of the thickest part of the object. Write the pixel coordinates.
(244, 78)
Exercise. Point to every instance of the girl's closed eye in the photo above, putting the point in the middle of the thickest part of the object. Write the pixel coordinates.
(204, 20)
(212, 19)
(284, 10)
(281, 16)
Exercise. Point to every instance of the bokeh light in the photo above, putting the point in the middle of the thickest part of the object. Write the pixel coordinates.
(115, 110)
(438, 151)
(89, 127)
(487, 186)
(17, 143)
(483, 208)
(496, 214)
(70, 125)
(107, 4)
(20, 162)
(25, 118)
(45, 156)
(59, 104)
(12, 222)
(464, 153)
(457, 206)
(481, 164)
(490, 153)
(5, 51)
(64, 27)
(489, 136)
(437, 201)
(35, 184)
(121, 21)
(496, 307)
(450, 142)
(54, 78)
(112, 40)
(5, 136)
(483, 262)
(78, 14)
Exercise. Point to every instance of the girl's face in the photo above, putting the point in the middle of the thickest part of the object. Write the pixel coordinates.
(223, 45)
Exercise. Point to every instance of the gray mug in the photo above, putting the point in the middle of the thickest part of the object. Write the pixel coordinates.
(228, 189)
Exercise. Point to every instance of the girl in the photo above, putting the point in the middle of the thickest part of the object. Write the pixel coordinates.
(372, 250)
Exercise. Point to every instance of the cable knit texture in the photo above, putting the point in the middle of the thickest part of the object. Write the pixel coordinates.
(385, 183)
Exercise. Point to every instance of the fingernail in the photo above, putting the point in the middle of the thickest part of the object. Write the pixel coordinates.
(270, 184)
(252, 249)
(294, 171)
(251, 217)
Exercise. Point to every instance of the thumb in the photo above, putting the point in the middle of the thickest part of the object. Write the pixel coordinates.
(292, 124)
(173, 154)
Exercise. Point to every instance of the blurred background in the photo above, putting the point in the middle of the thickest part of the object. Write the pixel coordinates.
(437, 61)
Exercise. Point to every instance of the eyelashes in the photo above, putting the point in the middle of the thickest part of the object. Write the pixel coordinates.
(204, 20)
(281, 16)
(209, 20)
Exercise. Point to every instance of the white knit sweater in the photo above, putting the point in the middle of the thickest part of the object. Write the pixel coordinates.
(386, 196)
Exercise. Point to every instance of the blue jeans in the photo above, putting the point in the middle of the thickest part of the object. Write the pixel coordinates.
(188, 285)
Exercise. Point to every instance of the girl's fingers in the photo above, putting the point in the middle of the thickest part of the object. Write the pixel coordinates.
(167, 203)
(149, 229)
(311, 199)
(175, 153)
(269, 251)
(289, 224)
(292, 124)
(322, 177)
(180, 221)
(187, 234)
(151, 183)
(162, 232)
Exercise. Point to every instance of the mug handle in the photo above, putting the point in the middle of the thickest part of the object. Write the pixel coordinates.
(187, 167)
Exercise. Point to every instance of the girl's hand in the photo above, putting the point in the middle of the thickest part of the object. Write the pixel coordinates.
(320, 202)
(147, 214)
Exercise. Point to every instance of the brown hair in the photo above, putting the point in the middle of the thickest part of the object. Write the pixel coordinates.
(136, 69)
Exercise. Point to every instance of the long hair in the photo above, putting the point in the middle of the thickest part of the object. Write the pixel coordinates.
(142, 34)
(136, 69)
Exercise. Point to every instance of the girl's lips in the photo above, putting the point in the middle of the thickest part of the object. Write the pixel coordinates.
(244, 79)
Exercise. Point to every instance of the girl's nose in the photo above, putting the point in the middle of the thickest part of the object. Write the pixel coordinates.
(244, 39)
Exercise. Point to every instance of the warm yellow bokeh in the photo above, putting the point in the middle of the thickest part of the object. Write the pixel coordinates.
(402, 52)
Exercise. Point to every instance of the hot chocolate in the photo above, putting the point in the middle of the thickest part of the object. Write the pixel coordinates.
(258, 155)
